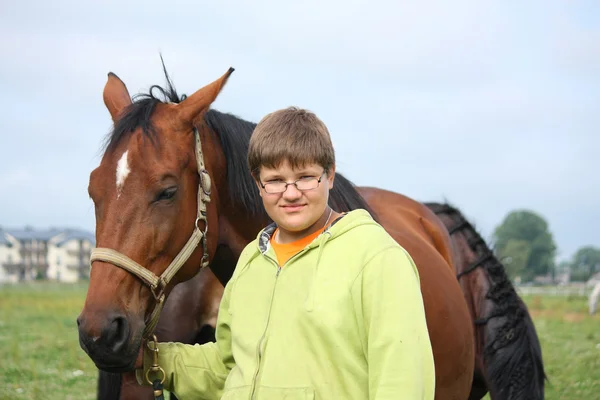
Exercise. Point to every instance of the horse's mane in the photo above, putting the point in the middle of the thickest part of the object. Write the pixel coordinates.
(139, 113)
(512, 350)
(234, 134)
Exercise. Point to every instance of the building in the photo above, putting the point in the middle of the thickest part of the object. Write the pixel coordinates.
(69, 256)
(9, 254)
(57, 254)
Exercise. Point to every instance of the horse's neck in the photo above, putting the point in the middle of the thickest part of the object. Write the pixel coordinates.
(235, 232)
(236, 226)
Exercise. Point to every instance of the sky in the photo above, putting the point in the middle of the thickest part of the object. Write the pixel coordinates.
(491, 106)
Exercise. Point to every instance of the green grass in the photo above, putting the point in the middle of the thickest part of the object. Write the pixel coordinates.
(39, 347)
(570, 340)
(41, 358)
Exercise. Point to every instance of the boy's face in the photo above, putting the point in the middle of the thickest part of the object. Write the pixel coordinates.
(295, 210)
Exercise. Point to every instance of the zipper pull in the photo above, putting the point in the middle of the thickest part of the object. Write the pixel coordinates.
(278, 271)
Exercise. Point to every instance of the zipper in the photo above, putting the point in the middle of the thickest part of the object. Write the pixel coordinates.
(260, 342)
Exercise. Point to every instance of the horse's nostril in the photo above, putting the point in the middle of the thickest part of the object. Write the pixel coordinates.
(116, 334)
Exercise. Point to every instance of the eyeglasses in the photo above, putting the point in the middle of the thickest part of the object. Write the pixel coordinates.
(303, 184)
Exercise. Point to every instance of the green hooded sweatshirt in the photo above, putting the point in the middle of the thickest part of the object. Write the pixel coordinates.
(342, 319)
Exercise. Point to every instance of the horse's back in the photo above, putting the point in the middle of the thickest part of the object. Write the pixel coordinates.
(426, 239)
(406, 213)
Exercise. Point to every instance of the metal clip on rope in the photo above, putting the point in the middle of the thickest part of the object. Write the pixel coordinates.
(157, 383)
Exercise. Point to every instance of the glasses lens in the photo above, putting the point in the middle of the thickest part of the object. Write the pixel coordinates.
(307, 184)
(275, 187)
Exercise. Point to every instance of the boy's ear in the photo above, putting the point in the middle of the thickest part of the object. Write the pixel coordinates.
(256, 181)
(259, 188)
(331, 176)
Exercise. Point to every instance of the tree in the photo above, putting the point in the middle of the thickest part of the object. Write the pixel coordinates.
(586, 262)
(515, 256)
(524, 235)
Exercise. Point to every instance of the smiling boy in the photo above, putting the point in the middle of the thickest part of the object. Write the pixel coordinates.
(322, 305)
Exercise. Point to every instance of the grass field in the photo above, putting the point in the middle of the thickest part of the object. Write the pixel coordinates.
(40, 356)
(39, 346)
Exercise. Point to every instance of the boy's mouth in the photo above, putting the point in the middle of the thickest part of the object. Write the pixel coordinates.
(292, 207)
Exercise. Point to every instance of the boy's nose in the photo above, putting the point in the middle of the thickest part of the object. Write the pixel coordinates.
(291, 192)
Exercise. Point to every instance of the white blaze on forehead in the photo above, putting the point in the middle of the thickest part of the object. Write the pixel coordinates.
(122, 172)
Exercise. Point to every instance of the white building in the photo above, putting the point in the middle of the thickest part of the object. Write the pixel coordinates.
(58, 254)
(9, 254)
(69, 256)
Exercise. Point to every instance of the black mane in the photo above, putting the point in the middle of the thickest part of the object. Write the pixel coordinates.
(234, 134)
(138, 114)
(512, 353)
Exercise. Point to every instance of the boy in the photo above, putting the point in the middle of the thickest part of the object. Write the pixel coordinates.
(312, 310)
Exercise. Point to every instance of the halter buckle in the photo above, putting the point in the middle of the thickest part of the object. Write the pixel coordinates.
(158, 291)
(205, 182)
(202, 217)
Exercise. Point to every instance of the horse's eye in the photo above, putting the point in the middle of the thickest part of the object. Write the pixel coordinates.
(167, 194)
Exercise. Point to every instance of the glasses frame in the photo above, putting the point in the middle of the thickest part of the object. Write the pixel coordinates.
(295, 183)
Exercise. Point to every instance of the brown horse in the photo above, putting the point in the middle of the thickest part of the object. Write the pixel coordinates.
(145, 194)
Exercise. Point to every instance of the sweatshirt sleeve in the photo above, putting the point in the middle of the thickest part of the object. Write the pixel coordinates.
(388, 302)
(196, 371)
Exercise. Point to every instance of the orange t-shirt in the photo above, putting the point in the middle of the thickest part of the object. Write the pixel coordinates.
(286, 251)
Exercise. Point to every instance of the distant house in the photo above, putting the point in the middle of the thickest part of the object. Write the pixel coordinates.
(543, 279)
(9, 254)
(58, 254)
(69, 256)
(563, 278)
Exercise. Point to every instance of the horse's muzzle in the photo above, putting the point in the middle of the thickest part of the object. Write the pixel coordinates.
(108, 343)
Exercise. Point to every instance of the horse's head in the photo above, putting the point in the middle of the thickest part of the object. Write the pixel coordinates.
(151, 196)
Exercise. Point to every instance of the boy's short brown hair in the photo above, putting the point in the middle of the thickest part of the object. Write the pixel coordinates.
(291, 134)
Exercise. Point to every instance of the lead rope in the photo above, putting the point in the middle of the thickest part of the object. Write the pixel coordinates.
(157, 383)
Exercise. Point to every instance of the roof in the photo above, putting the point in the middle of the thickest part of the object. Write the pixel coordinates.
(32, 234)
(29, 233)
(3, 239)
(76, 234)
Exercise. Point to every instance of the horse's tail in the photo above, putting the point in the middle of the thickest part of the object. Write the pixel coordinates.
(509, 345)
(109, 386)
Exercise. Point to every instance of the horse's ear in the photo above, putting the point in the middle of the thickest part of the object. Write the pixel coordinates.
(116, 96)
(200, 101)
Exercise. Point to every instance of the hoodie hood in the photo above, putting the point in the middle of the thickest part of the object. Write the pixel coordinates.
(342, 225)
(339, 227)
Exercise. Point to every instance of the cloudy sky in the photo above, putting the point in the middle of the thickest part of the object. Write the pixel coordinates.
(490, 105)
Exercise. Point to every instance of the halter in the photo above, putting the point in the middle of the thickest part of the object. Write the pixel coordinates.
(156, 283)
